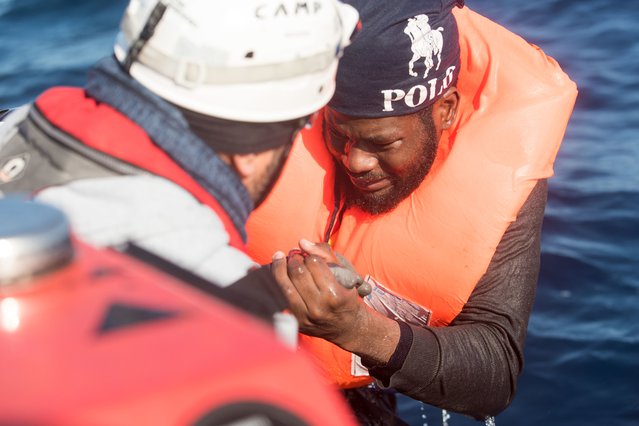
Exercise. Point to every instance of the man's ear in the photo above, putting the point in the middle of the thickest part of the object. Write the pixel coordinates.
(243, 164)
(445, 110)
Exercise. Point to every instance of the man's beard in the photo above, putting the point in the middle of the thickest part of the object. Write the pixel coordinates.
(387, 199)
(265, 183)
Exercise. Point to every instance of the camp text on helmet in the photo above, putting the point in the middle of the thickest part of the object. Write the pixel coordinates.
(286, 9)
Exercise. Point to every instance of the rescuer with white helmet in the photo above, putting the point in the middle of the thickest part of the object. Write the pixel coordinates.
(179, 134)
(173, 141)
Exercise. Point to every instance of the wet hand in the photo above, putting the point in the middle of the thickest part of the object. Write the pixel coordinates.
(323, 307)
(343, 270)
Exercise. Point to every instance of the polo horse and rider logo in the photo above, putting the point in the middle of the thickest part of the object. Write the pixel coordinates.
(425, 43)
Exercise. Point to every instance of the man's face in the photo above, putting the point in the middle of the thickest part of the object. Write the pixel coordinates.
(383, 159)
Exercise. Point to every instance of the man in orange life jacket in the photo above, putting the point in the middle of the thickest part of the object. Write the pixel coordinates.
(180, 133)
(439, 139)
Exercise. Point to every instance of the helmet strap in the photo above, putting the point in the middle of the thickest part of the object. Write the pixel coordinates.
(146, 33)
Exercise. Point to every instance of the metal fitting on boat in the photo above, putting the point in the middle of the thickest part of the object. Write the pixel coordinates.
(34, 238)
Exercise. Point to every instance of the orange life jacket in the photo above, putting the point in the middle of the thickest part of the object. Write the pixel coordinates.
(435, 246)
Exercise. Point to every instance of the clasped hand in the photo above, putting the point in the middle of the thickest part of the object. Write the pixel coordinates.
(323, 307)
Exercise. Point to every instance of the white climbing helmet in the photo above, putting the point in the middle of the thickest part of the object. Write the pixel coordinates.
(245, 60)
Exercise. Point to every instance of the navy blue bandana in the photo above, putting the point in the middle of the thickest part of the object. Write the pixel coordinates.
(403, 59)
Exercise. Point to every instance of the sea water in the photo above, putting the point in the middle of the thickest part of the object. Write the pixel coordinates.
(582, 352)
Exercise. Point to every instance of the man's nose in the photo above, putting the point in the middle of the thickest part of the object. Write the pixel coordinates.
(357, 160)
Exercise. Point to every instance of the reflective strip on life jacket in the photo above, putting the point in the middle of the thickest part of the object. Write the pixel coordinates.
(436, 245)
